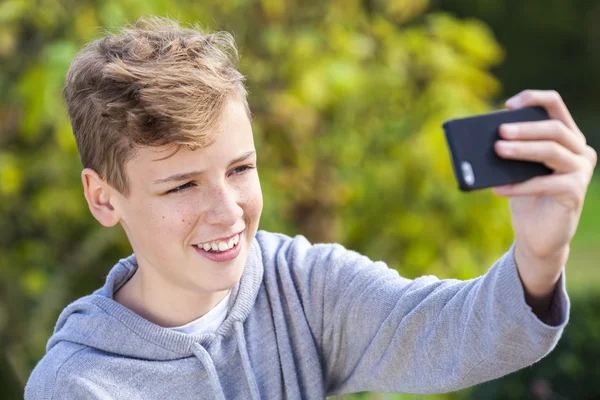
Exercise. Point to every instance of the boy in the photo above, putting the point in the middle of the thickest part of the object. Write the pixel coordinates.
(207, 307)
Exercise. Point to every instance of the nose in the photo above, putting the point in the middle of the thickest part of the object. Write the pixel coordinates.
(224, 208)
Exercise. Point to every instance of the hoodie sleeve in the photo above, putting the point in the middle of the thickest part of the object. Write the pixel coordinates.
(378, 331)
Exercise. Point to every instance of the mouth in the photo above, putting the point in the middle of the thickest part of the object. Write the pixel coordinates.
(221, 250)
(219, 246)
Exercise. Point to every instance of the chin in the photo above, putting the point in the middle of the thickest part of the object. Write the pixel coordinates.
(232, 277)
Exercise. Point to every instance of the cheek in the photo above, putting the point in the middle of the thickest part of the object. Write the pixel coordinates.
(253, 199)
(169, 218)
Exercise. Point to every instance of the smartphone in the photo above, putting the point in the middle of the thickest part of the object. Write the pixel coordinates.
(474, 160)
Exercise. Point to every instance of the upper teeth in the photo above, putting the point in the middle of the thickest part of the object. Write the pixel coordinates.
(220, 245)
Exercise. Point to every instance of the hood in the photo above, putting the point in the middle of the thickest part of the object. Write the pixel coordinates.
(100, 322)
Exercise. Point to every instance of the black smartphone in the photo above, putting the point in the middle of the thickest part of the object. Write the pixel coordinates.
(474, 160)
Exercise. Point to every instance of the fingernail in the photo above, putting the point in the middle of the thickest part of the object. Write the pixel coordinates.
(506, 147)
(513, 102)
(509, 130)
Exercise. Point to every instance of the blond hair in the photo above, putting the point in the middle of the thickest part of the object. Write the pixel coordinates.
(153, 84)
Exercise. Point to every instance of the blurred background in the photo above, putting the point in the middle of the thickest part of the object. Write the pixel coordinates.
(348, 98)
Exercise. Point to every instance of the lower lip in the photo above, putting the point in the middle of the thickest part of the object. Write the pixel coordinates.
(221, 256)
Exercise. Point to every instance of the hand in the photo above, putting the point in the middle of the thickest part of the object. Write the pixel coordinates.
(545, 210)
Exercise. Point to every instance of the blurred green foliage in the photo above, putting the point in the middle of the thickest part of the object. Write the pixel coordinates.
(549, 44)
(348, 99)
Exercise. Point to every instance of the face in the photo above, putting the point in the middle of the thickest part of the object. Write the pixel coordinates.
(181, 206)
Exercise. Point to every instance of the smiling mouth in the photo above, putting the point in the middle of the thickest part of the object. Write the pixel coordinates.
(219, 246)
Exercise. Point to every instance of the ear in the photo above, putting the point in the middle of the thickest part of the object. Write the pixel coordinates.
(97, 193)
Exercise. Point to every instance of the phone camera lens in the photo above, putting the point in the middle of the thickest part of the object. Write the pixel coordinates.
(467, 172)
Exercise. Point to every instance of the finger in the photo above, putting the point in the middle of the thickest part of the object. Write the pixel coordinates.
(592, 155)
(553, 129)
(544, 130)
(548, 99)
(549, 153)
(570, 187)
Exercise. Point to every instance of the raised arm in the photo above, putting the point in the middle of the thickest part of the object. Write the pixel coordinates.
(378, 331)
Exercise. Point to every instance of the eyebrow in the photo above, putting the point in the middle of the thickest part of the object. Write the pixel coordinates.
(188, 175)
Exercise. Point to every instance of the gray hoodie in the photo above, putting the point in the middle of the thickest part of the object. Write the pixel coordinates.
(304, 322)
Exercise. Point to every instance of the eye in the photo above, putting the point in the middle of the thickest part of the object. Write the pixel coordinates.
(241, 169)
(181, 188)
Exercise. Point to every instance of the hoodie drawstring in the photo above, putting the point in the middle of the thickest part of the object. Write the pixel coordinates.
(206, 361)
(239, 330)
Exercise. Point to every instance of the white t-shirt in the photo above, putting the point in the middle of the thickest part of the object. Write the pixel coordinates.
(209, 322)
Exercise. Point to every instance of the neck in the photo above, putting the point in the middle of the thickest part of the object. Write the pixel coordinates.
(165, 305)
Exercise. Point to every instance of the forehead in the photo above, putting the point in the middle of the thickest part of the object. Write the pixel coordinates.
(233, 139)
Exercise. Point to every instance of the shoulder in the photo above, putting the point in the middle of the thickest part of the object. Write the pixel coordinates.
(44, 381)
(277, 245)
(298, 253)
